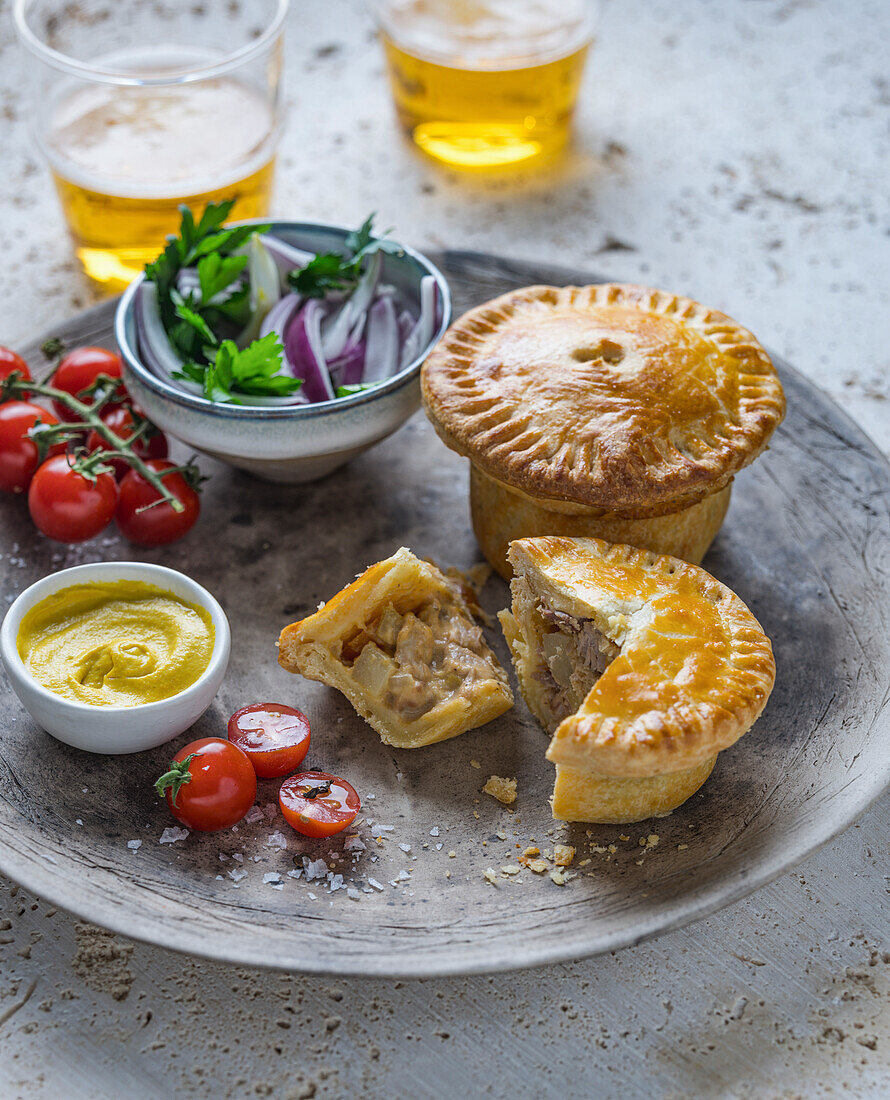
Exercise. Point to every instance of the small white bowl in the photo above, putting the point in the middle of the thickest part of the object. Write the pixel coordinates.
(115, 730)
(288, 443)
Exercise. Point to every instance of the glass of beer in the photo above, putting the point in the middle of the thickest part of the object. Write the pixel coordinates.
(139, 107)
(486, 83)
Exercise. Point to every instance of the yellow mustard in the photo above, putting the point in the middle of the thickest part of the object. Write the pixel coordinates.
(116, 643)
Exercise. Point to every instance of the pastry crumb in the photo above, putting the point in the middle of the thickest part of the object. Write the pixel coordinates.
(511, 869)
(563, 854)
(558, 876)
(682, 847)
(504, 790)
(532, 851)
(475, 764)
(490, 876)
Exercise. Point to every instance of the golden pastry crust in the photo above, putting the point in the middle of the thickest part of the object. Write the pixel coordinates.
(619, 397)
(583, 796)
(501, 515)
(401, 644)
(685, 667)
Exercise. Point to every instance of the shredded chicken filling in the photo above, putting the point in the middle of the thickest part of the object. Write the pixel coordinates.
(573, 656)
(414, 662)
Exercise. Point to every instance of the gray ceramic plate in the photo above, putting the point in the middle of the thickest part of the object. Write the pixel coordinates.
(806, 544)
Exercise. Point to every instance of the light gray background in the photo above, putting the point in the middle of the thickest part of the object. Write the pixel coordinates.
(736, 152)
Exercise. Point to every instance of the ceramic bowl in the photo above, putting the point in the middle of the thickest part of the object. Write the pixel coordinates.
(115, 730)
(291, 443)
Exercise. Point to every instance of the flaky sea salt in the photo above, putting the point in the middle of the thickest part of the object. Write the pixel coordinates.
(171, 834)
(276, 840)
(314, 868)
(253, 815)
(134, 845)
(405, 847)
(373, 882)
(236, 874)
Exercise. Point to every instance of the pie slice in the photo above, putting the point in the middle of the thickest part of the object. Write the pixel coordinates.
(401, 644)
(642, 667)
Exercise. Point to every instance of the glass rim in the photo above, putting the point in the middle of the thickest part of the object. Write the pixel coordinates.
(586, 34)
(98, 74)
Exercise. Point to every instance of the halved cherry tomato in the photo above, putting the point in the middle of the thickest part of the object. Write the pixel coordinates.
(124, 422)
(67, 506)
(10, 361)
(274, 736)
(210, 785)
(318, 804)
(18, 452)
(158, 525)
(79, 369)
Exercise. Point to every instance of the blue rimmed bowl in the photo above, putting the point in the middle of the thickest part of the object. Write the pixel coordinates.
(291, 443)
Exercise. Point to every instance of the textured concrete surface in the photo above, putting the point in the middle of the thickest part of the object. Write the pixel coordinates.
(735, 151)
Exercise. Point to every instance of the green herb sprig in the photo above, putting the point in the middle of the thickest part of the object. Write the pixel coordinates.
(193, 319)
(252, 370)
(331, 271)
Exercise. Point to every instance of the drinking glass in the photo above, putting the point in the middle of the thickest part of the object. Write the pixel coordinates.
(486, 83)
(139, 107)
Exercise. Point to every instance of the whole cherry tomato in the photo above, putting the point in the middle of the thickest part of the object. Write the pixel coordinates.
(160, 524)
(124, 422)
(318, 804)
(274, 736)
(210, 785)
(18, 451)
(79, 369)
(10, 361)
(67, 506)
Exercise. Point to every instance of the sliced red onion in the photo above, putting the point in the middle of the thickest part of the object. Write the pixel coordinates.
(422, 333)
(286, 257)
(303, 347)
(407, 321)
(335, 332)
(348, 369)
(383, 342)
(276, 320)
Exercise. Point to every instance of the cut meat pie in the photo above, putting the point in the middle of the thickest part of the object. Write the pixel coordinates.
(401, 644)
(641, 666)
(616, 411)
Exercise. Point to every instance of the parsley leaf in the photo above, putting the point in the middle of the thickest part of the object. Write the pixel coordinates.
(331, 271)
(253, 370)
(216, 272)
(358, 387)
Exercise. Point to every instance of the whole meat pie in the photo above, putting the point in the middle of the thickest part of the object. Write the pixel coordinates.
(614, 411)
(641, 666)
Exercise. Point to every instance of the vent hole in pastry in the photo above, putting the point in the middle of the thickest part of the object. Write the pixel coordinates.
(607, 350)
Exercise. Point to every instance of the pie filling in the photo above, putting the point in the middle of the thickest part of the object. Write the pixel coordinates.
(409, 663)
(573, 654)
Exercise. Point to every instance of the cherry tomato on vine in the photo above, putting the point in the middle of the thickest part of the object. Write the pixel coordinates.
(79, 369)
(124, 422)
(10, 361)
(318, 804)
(210, 785)
(160, 524)
(67, 506)
(18, 451)
(274, 736)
